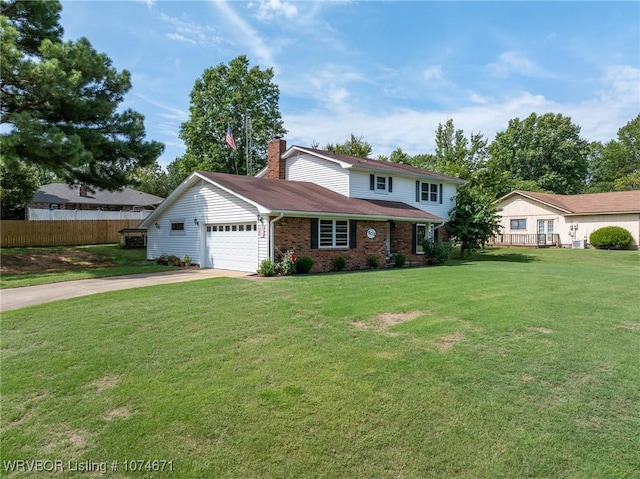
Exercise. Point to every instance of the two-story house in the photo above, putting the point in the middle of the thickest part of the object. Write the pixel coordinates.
(318, 203)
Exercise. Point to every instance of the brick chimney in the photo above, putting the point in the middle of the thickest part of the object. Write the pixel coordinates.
(275, 164)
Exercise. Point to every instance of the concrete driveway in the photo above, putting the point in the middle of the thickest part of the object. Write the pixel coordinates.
(14, 298)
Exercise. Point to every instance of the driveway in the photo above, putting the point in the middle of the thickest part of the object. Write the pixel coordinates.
(14, 298)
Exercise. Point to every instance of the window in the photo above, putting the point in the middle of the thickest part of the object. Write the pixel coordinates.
(227, 228)
(519, 224)
(380, 184)
(421, 234)
(240, 227)
(234, 227)
(177, 226)
(430, 192)
(333, 234)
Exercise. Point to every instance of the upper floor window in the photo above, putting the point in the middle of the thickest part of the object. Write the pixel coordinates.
(380, 184)
(431, 192)
(519, 224)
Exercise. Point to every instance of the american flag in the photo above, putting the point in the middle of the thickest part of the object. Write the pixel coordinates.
(230, 141)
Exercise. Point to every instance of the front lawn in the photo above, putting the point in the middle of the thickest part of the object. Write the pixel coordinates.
(521, 363)
(32, 266)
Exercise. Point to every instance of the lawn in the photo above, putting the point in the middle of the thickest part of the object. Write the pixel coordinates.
(32, 266)
(519, 363)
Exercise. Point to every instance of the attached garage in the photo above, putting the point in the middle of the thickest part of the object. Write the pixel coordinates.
(232, 246)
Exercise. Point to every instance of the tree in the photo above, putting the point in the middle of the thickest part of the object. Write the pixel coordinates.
(151, 179)
(547, 150)
(474, 219)
(456, 155)
(354, 146)
(615, 166)
(235, 96)
(19, 184)
(59, 103)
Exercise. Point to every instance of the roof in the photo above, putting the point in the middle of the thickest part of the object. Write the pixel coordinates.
(299, 198)
(367, 163)
(592, 203)
(62, 193)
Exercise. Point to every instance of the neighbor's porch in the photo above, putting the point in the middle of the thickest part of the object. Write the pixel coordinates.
(533, 240)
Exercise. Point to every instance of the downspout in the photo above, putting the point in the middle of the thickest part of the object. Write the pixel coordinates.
(272, 252)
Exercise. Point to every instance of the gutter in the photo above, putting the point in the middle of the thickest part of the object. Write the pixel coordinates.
(272, 252)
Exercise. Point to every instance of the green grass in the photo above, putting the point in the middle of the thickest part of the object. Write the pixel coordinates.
(520, 363)
(34, 266)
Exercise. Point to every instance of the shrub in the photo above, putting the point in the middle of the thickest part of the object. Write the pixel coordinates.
(399, 260)
(304, 264)
(373, 261)
(611, 237)
(436, 253)
(267, 268)
(339, 263)
(287, 264)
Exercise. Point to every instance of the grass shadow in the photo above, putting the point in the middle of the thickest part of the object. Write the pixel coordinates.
(494, 256)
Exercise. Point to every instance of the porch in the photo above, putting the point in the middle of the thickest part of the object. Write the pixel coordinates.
(541, 240)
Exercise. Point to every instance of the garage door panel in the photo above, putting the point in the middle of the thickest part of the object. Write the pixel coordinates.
(232, 246)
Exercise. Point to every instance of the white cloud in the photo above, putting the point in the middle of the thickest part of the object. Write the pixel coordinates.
(246, 35)
(268, 9)
(177, 36)
(511, 63)
(191, 32)
(433, 73)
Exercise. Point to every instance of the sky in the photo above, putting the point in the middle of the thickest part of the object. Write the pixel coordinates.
(386, 71)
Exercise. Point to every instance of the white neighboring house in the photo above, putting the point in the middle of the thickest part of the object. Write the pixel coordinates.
(532, 218)
(314, 202)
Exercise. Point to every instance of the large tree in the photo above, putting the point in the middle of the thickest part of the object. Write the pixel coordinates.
(456, 155)
(354, 146)
(615, 166)
(236, 96)
(545, 150)
(474, 219)
(59, 103)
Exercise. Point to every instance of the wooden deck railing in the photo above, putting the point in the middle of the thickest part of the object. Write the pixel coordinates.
(510, 239)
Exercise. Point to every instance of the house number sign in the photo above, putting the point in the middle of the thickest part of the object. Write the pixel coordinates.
(371, 233)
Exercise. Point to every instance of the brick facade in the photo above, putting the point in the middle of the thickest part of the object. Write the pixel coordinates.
(276, 168)
(295, 233)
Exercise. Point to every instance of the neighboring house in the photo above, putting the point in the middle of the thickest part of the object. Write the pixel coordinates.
(61, 201)
(318, 203)
(531, 218)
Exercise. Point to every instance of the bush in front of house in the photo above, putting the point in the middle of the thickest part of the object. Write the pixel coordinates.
(611, 237)
(339, 263)
(304, 264)
(267, 268)
(287, 264)
(399, 260)
(437, 252)
(373, 261)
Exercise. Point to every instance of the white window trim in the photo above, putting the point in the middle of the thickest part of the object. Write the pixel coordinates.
(429, 200)
(333, 235)
(386, 184)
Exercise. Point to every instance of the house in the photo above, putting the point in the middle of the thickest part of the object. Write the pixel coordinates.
(318, 203)
(532, 218)
(61, 201)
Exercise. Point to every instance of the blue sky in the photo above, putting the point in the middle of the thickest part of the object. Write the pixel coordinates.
(387, 71)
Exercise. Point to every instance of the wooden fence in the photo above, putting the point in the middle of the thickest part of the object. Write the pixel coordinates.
(14, 234)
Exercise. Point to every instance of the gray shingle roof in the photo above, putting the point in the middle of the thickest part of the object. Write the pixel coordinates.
(61, 193)
(592, 203)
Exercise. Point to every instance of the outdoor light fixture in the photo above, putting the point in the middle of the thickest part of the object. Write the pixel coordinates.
(195, 220)
(157, 225)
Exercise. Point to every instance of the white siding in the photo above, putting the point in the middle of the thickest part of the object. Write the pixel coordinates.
(404, 190)
(588, 224)
(321, 172)
(207, 204)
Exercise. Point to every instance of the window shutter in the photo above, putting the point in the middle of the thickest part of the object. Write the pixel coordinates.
(372, 182)
(417, 191)
(414, 237)
(440, 193)
(314, 233)
(390, 185)
(353, 227)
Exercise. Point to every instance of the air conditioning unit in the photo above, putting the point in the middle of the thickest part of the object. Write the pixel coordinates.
(579, 244)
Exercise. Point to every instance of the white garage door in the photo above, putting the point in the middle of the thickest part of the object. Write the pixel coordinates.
(232, 246)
